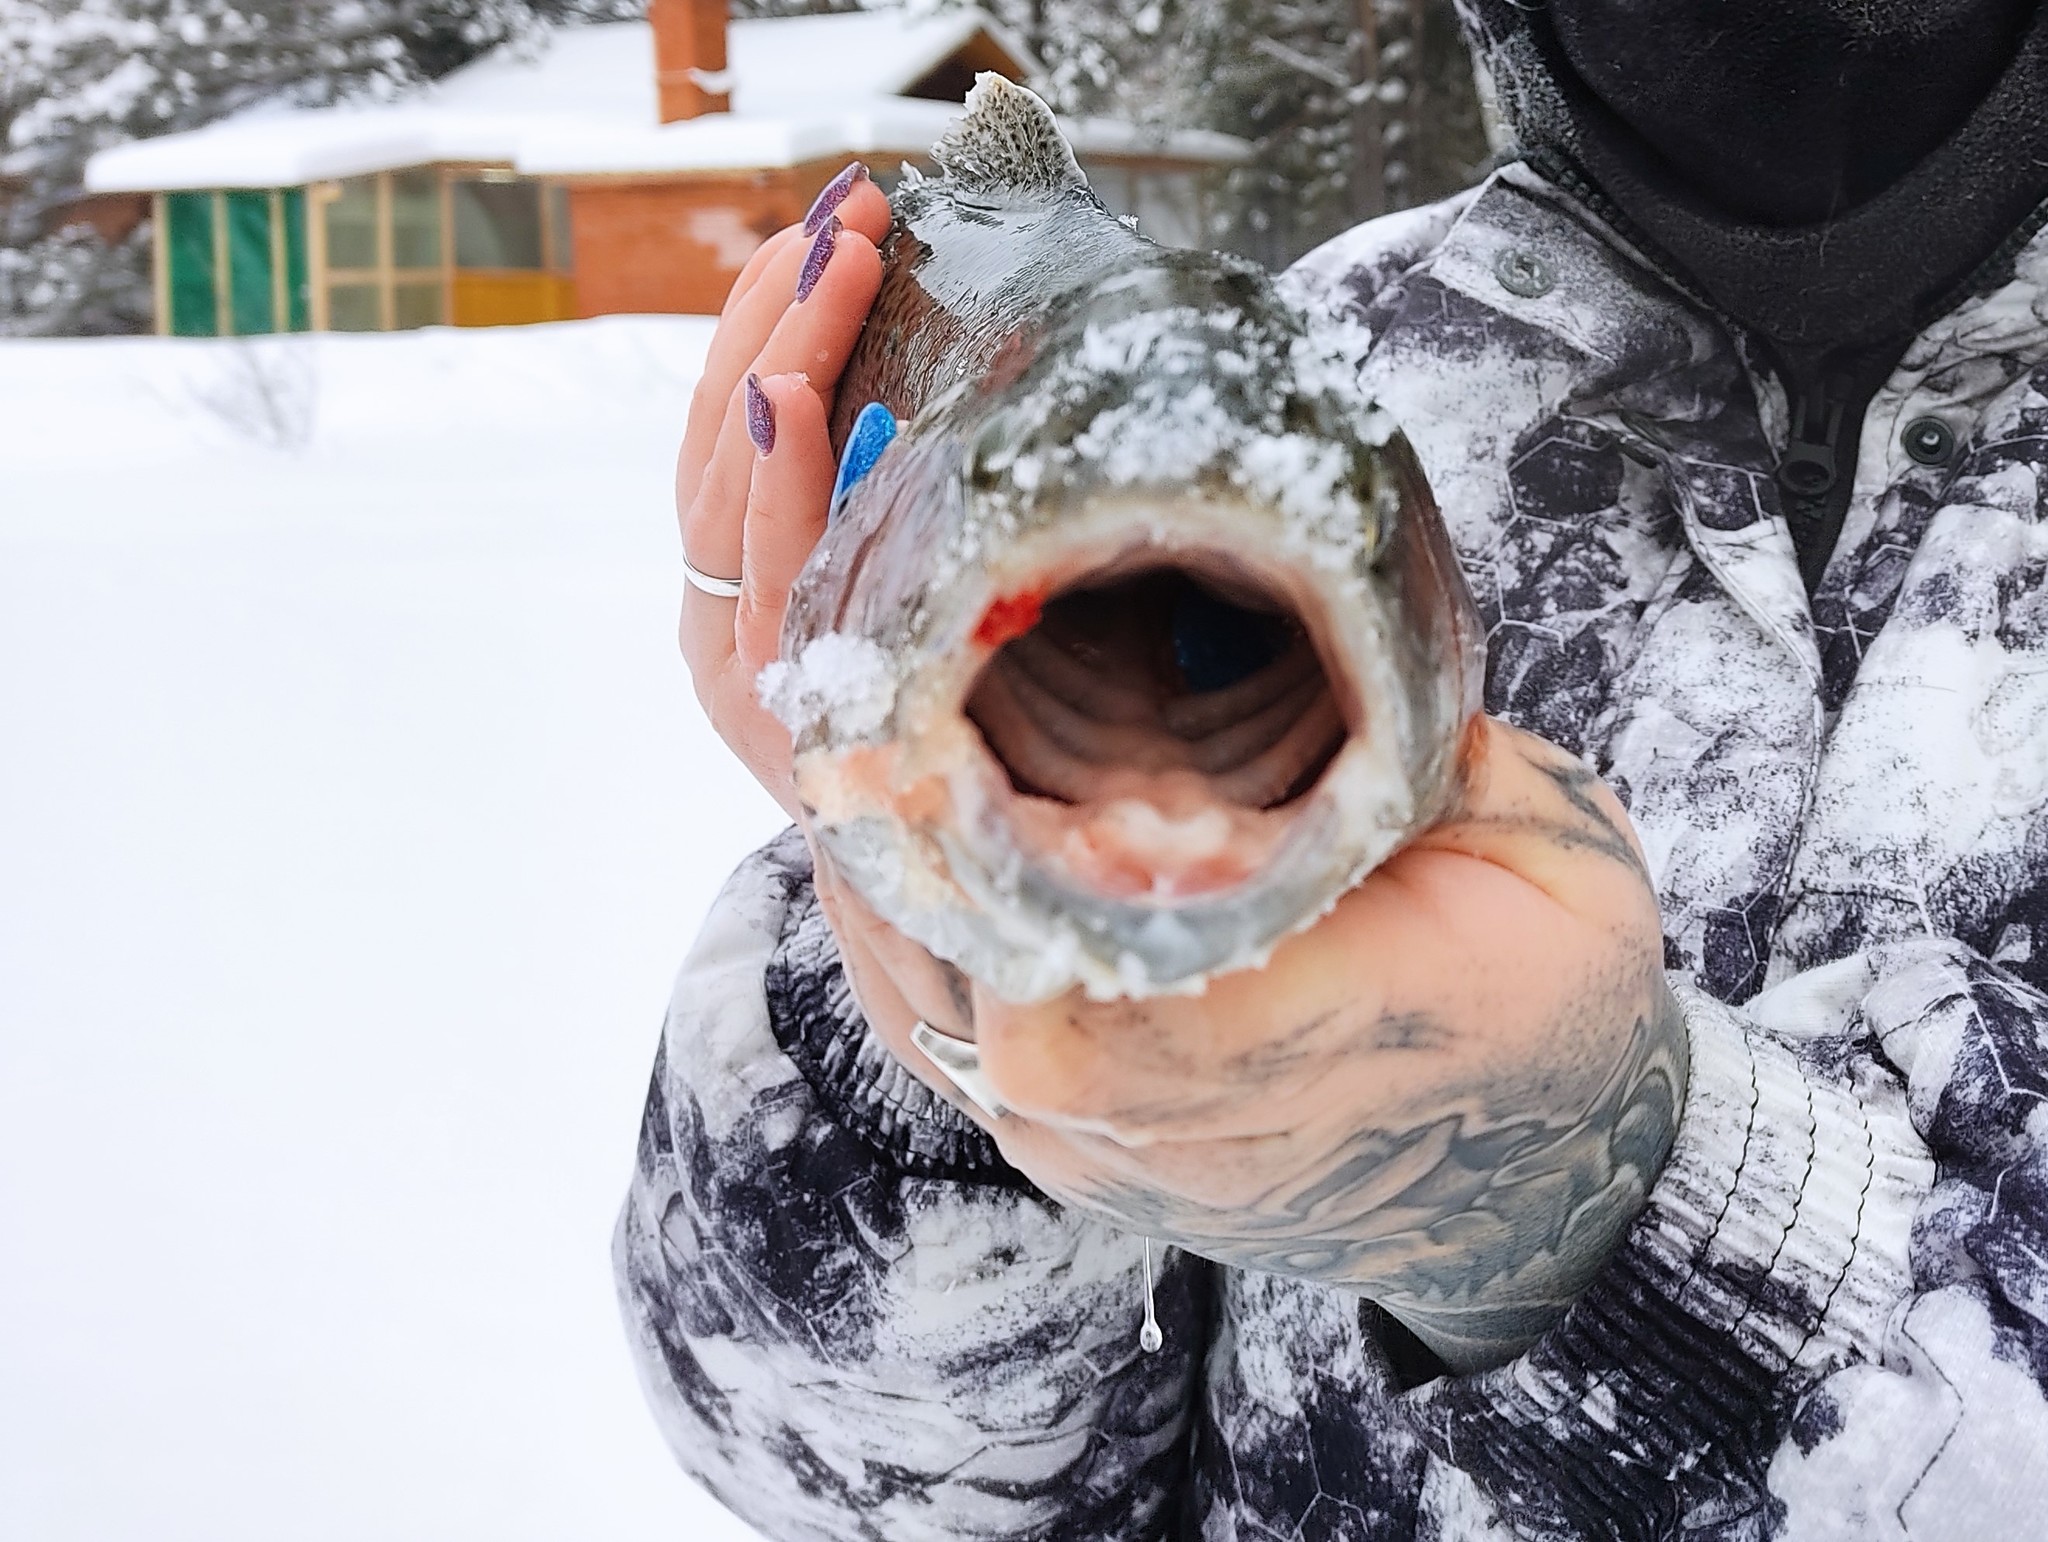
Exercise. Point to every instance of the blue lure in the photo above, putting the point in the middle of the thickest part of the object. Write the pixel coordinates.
(873, 432)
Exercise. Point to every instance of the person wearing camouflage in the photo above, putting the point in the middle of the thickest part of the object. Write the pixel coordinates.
(1733, 386)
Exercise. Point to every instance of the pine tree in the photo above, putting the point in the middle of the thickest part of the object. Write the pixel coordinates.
(1356, 107)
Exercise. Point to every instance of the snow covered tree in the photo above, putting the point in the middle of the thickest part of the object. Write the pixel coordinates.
(79, 75)
(1355, 106)
(752, 8)
(1358, 107)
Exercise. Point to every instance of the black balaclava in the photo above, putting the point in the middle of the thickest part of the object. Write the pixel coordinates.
(1787, 112)
(1827, 173)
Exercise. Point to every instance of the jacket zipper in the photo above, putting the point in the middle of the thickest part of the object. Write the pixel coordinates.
(1827, 409)
(1815, 484)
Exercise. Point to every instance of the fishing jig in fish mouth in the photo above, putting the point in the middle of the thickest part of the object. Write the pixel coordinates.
(1142, 642)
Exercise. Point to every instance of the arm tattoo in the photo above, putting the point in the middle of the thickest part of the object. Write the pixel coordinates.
(1592, 830)
(1478, 1229)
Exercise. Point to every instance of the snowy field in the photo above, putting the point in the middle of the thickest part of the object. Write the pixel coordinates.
(354, 815)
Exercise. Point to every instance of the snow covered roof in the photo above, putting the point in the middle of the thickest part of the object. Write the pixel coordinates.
(582, 100)
(778, 64)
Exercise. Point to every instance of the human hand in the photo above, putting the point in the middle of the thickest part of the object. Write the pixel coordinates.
(754, 479)
(1453, 1093)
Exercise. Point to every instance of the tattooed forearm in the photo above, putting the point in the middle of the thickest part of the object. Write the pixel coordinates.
(1454, 1098)
(1544, 1205)
(1476, 1229)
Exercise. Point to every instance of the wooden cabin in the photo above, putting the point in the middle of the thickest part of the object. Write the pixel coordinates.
(622, 167)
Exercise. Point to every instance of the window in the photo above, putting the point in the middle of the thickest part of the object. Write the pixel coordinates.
(352, 225)
(233, 263)
(441, 246)
(418, 305)
(561, 235)
(185, 242)
(253, 278)
(498, 225)
(416, 220)
(354, 308)
(386, 255)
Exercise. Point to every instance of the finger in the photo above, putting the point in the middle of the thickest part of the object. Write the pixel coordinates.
(758, 265)
(786, 512)
(815, 339)
(708, 647)
(859, 205)
(714, 522)
(817, 334)
(897, 984)
(1246, 1058)
(1118, 1069)
(749, 320)
(932, 991)
(765, 291)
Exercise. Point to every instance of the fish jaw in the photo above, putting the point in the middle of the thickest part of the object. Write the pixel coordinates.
(1139, 880)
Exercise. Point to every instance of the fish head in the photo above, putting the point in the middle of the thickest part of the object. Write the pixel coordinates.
(1138, 649)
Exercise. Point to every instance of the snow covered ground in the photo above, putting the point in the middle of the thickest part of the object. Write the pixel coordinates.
(354, 815)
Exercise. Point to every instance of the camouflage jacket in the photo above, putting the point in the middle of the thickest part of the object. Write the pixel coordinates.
(1831, 1320)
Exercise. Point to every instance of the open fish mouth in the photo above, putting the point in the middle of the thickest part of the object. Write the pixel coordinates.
(1159, 722)
(1130, 747)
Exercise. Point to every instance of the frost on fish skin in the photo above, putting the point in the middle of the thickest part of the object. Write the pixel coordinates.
(840, 687)
(1179, 395)
(1308, 480)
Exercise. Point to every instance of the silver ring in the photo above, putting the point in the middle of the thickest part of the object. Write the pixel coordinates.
(959, 1061)
(704, 583)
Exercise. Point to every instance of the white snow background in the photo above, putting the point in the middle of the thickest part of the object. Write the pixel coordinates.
(355, 814)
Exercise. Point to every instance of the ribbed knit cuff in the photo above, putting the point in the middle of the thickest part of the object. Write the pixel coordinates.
(1773, 1246)
(819, 1025)
(1784, 1214)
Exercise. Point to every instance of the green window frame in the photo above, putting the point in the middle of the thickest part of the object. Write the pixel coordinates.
(236, 262)
(185, 237)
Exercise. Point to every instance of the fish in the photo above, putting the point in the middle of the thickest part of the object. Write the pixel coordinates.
(1142, 642)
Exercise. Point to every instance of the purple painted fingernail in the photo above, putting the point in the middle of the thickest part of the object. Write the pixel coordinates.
(820, 257)
(760, 416)
(836, 193)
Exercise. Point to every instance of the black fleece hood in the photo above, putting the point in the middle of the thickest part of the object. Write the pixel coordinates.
(1824, 171)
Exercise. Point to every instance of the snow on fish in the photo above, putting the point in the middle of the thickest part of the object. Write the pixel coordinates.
(1143, 643)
